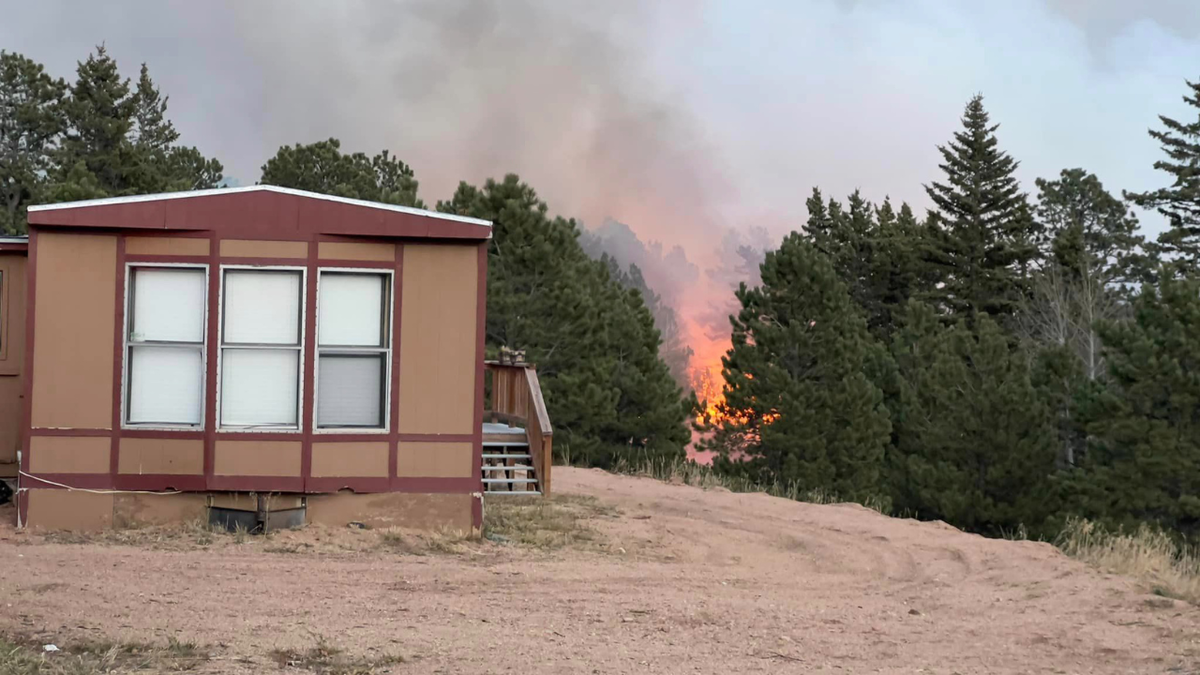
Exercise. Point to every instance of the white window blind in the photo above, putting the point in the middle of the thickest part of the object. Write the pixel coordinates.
(260, 348)
(164, 346)
(353, 349)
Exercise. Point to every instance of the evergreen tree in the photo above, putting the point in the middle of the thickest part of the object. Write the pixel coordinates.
(988, 243)
(1092, 258)
(1143, 462)
(118, 140)
(1087, 232)
(321, 167)
(882, 257)
(100, 118)
(1180, 202)
(31, 122)
(974, 440)
(608, 394)
(798, 406)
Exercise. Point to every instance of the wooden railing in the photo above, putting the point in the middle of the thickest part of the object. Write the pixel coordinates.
(516, 399)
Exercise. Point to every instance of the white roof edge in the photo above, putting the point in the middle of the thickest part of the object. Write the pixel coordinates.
(255, 188)
(15, 239)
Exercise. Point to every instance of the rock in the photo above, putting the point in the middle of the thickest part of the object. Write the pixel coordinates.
(914, 612)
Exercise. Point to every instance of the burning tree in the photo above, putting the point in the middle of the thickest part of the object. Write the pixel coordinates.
(797, 405)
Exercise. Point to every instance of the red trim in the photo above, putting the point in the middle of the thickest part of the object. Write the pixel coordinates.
(179, 234)
(83, 481)
(180, 435)
(210, 374)
(260, 214)
(118, 359)
(259, 436)
(437, 438)
(308, 401)
(69, 432)
(23, 248)
(359, 484)
(480, 341)
(27, 420)
(379, 437)
(431, 484)
(257, 483)
(160, 482)
(136, 258)
(365, 264)
(397, 323)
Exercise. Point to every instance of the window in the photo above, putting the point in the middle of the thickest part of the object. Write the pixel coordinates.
(353, 349)
(261, 340)
(164, 345)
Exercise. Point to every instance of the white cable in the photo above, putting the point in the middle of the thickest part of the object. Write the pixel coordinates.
(95, 492)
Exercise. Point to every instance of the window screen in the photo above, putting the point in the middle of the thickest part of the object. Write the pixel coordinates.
(353, 349)
(260, 348)
(164, 346)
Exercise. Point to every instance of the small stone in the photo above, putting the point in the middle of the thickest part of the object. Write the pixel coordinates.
(914, 612)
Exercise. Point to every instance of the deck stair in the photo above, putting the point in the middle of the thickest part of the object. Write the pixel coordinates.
(507, 463)
(517, 439)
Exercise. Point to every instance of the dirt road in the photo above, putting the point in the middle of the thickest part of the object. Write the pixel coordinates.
(682, 581)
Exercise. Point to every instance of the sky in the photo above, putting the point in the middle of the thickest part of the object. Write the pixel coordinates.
(695, 122)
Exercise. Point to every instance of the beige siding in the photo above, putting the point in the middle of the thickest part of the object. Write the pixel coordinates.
(160, 456)
(193, 246)
(69, 454)
(438, 339)
(251, 248)
(338, 250)
(257, 458)
(73, 333)
(435, 460)
(350, 459)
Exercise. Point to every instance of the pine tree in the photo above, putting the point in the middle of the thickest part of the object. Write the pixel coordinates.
(882, 257)
(989, 232)
(1086, 231)
(1180, 202)
(609, 395)
(798, 406)
(100, 118)
(1143, 462)
(321, 167)
(31, 122)
(118, 140)
(974, 440)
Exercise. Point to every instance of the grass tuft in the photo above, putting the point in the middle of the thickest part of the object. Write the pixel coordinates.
(326, 659)
(546, 523)
(27, 657)
(422, 542)
(1168, 568)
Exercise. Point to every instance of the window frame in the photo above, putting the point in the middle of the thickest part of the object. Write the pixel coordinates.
(300, 349)
(127, 346)
(388, 350)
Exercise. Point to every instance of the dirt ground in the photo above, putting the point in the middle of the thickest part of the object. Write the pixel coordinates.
(678, 580)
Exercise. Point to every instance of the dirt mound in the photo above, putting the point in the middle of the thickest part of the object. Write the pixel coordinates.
(675, 580)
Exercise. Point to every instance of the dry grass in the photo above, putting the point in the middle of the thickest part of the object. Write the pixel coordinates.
(688, 472)
(325, 659)
(175, 536)
(548, 523)
(419, 542)
(27, 657)
(1168, 568)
